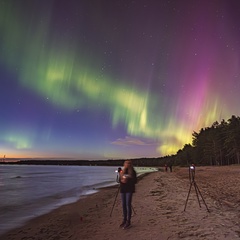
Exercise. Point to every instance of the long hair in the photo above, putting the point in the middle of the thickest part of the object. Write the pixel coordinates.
(128, 168)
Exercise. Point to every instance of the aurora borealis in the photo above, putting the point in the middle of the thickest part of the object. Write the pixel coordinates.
(114, 79)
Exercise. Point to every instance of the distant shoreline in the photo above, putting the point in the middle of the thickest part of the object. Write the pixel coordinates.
(141, 162)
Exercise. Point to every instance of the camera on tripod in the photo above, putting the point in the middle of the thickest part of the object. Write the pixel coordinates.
(191, 172)
(192, 167)
(118, 170)
(118, 174)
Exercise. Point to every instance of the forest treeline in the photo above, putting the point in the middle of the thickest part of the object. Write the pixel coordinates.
(218, 144)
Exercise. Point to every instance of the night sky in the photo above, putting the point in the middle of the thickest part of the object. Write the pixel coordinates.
(112, 79)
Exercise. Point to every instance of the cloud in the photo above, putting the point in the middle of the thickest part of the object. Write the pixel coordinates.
(130, 141)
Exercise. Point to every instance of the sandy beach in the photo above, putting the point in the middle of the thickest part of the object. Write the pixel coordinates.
(158, 206)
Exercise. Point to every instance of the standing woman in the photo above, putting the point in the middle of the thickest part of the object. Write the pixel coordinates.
(128, 179)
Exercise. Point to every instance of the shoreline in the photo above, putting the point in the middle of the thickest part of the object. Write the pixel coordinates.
(158, 204)
(12, 218)
(92, 191)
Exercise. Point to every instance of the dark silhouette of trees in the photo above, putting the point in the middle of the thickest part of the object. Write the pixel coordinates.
(215, 145)
(186, 156)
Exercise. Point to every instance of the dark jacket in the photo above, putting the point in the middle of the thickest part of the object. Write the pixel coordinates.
(129, 186)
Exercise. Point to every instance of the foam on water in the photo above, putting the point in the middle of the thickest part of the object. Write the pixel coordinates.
(27, 191)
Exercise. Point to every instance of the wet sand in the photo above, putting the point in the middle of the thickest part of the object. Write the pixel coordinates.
(158, 206)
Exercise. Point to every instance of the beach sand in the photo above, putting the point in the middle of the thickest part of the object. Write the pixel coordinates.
(158, 206)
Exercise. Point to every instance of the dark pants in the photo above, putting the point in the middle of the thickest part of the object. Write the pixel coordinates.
(127, 206)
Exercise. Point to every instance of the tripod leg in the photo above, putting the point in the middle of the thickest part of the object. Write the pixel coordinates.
(196, 190)
(202, 198)
(133, 210)
(188, 196)
(115, 200)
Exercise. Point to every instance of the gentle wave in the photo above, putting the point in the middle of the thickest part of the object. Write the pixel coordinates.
(29, 191)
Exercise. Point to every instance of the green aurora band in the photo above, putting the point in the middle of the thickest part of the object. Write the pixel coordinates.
(55, 72)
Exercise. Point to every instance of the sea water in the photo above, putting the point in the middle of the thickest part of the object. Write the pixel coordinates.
(27, 191)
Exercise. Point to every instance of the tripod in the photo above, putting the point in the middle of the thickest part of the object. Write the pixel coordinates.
(115, 202)
(192, 181)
